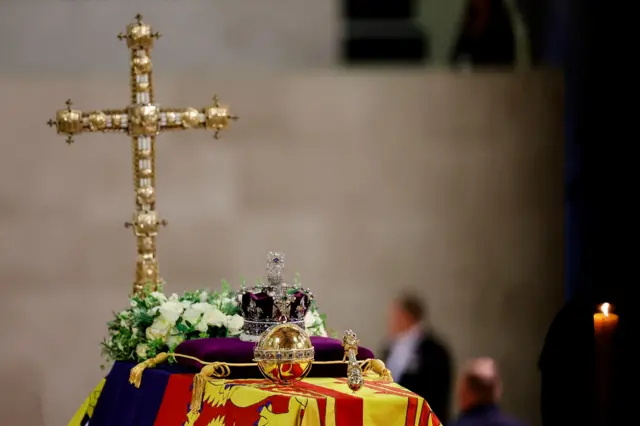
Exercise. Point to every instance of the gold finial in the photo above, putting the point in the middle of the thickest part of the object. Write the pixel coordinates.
(139, 34)
(218, 117)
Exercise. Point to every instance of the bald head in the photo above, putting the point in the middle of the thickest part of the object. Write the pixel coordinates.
(480, 383)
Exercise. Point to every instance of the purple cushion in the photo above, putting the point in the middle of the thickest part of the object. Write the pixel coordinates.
(235, 350)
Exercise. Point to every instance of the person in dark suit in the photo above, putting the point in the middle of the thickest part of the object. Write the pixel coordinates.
(479, 393)
(417, 360)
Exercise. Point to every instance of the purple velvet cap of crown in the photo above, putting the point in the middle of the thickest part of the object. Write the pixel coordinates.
(236, 351)
(264, 306)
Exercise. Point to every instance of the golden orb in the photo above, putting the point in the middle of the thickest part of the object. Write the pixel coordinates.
(284, 354)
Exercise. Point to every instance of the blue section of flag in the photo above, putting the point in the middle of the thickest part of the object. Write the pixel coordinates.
(122, 404)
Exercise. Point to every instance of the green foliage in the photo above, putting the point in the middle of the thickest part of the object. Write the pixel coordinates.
(155, 323)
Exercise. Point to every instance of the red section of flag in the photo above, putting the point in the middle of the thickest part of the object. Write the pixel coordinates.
(234, 415)
(349, 409)
(176, 404)
(426, 413)
(412, 411)
(176, 401)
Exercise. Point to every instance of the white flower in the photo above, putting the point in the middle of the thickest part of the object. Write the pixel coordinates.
(171, 311)
(159, 329)
(141, 350)
(309, 319)
(134, 303)
(204, 296)
(160, 297)
(234, 324)
(174, 340)
(174, 297)
(195, 311)
(123, 324)
(214, 317)
(202, 326)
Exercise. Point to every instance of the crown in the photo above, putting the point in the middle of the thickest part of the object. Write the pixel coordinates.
(275, 302)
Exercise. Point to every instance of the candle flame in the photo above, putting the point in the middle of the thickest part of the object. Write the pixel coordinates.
(605, 309)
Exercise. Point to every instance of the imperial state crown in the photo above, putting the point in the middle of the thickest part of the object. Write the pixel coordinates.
(266, 305)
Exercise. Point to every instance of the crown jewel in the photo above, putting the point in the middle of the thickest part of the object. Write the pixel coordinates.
(275, 302)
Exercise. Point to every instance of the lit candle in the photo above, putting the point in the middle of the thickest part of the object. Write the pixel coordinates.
(604, 323)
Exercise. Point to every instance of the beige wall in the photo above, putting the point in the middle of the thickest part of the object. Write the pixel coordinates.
(445, 183)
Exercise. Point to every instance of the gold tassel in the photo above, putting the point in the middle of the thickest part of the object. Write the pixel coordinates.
(197, 395)
(135, 376)
(215, 369)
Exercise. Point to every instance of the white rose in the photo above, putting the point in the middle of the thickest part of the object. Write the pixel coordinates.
(186, 304)
(214, 317)
(204, 296)
(309, 319)
(159, 329)
(174, 340)
(141, 350)
(318, 319)
(171, 311)
(234, 324)
(202, 326)
(195, 311)
(160, 297)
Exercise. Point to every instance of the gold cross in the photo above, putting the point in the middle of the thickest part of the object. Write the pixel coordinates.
(142, 120)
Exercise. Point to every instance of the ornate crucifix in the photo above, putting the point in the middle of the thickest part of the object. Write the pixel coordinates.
(142, 120)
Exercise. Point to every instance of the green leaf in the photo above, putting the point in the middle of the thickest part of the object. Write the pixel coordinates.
(182, 328)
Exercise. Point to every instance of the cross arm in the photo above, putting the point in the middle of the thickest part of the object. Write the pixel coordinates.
(71, 122)
(214, 117)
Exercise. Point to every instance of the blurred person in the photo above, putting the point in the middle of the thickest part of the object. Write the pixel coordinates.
(417, 360)
(479, 392)
(487, 36)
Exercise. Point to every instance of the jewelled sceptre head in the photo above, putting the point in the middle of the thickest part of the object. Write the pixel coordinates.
(350, 342)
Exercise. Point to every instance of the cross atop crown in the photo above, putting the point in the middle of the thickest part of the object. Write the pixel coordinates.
(275, 265)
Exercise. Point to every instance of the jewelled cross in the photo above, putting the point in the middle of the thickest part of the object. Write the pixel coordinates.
(142, 120)
(275, 265)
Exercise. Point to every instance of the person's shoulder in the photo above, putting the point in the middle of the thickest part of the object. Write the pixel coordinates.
(433, 344)
(510, 421)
